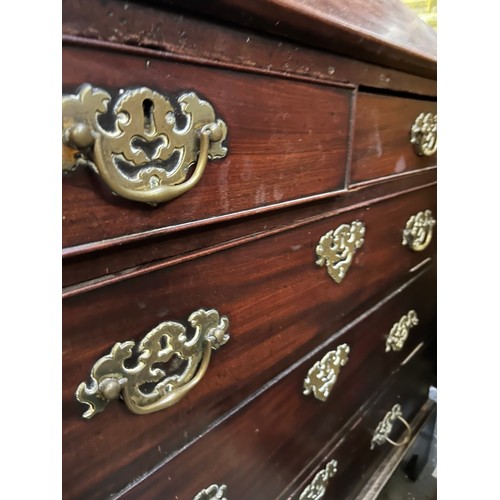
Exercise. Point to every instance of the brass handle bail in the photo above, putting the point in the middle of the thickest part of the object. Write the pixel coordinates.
(384, 428)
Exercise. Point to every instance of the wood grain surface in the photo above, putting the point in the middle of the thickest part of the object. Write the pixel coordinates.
(286, 140)
(381, 144)
(259, 451)
(128, 256)
(169, 33)
(280, 305)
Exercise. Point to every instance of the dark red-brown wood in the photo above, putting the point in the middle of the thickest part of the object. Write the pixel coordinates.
(381, 143)
(259, 451)
(127, 259)
(127, 268)
(386, 31)
(280, 305)
(163, 32)
(286, 140)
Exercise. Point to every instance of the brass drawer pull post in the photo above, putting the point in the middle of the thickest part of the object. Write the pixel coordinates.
(384, 428)
(144, 155)
(112, 377)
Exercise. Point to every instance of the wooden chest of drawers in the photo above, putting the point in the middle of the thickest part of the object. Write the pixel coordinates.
(269, 331)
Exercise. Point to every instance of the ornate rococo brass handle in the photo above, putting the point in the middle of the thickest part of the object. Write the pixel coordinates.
(384, 428)
(400, 331)
(145, 387)
(317, 489)
(417, 233)
(322, 376)
(423, 134)
(146, 151)
(336, 249)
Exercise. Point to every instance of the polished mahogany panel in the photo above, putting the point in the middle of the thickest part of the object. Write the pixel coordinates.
(381, 144)
(259, 451)
(286, 140)
(130, 256)
(279, 302)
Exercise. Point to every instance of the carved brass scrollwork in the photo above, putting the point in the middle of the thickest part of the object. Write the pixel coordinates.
(139, 380)
(336, 248)
(417, 234)
(424, 134)
(323, 374)
(384, 428)
(213, 492)
(146, 150)
(400, 330)
(317, 489)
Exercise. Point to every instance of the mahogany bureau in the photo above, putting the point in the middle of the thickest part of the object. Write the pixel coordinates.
(249, 231)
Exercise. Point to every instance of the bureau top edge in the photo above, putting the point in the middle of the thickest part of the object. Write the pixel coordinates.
(172, 34)
(385, 32)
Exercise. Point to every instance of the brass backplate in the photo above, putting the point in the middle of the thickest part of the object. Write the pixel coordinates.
(400, 331)
(323, 374)
(423, 134)
(336, 248)
(317, 488)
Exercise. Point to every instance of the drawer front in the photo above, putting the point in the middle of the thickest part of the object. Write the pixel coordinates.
(355, 458)
(277, 312)
(286, 140)
(382, 136)
(258, 452)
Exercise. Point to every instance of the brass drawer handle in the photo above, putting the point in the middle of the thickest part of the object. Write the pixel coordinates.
(145, 387)
(213, 492)
(400, 331)
(323, 374)
(417, 233)
(423, 134)
(384, 428)
(144, 154)
(336, 248)
(317, 489)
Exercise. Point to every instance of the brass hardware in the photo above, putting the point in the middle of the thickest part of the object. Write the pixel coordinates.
(145, 153)
(424, 134)
(145, 387)
(213, 492)
(384, 428)
(400, 330)
(337, 248)
(323, 374)
(417, 233)
(317, 489)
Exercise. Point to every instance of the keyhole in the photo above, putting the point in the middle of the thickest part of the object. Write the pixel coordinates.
(147, 109)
